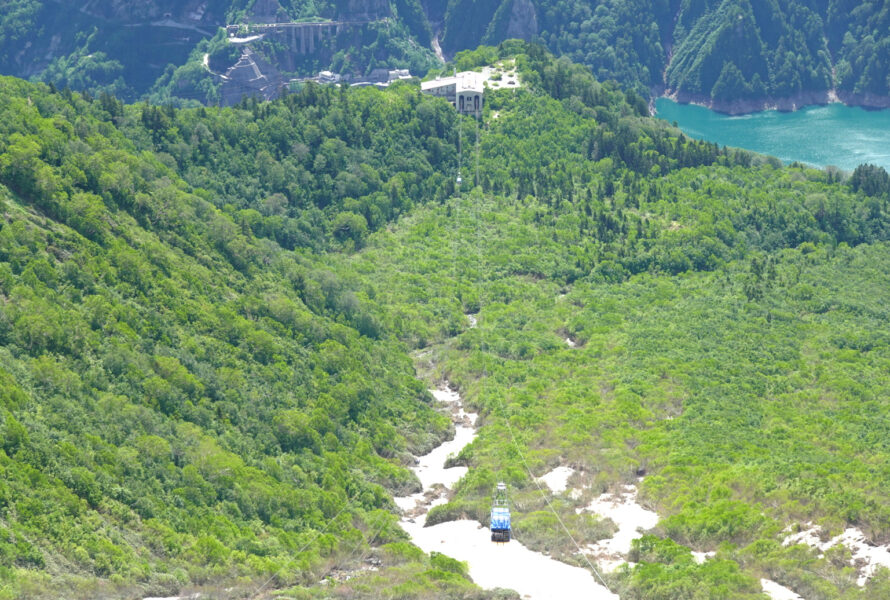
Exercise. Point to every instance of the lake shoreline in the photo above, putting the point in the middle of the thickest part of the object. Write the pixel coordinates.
(828, 135)
(785, 104)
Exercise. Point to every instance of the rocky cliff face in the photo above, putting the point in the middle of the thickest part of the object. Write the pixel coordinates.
(267, 11)
(732, 54)
(203, 12)
(125, 46)
(523, 20)
(434, 10)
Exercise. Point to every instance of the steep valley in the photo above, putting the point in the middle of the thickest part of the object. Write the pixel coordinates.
(219, 328)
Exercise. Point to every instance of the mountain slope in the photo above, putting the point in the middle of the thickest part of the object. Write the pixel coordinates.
(129, 48)
(183, 403)
(737, 56)
(207, 317)
(727, 347)
(712, 51)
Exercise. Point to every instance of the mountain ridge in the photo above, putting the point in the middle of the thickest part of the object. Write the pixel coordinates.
(732, 56)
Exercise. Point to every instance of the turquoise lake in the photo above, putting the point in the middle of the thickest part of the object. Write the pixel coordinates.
(843, 136)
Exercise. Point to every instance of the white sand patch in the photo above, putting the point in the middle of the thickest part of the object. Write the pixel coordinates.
(407, 503)
(439, 501)
(630, 517)
(608, 565)
(557, 479)
(778, 592)
(430, 468)
(701, 557)
(865, 556)
(511, 565)
(809, 536)
(872, 556)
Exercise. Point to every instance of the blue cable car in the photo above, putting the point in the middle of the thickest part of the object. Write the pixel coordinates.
(500, 515)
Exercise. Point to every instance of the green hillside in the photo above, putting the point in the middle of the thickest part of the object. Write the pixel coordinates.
(208, 318)
(182, 402)
(714, 50)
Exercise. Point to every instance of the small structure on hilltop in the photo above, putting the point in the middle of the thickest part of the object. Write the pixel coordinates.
(464, 90)
(399, 74)
(328, 77)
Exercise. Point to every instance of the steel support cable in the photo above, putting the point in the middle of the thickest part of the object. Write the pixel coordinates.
(317, 535)
(371, 541)
(460, 138)
(454, 267)
(547, 500)
(476, 152)
(358, 545)
(503, 410)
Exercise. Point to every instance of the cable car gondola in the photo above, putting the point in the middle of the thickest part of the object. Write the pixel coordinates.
(500, 515)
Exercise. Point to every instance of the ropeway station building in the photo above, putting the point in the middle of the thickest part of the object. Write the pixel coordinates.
(464, 90)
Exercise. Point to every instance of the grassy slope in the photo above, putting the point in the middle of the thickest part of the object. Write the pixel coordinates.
(745, 414)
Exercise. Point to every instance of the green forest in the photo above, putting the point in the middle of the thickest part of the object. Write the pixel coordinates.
(721, 51)
(210, 320)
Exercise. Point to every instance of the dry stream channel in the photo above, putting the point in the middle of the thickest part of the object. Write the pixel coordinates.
(513, 566)
(535, 576)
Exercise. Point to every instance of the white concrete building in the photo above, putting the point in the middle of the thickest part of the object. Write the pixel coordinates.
(398, 74)
(464, 90)
(328, 77)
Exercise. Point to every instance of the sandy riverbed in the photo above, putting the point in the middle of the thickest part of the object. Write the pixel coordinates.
(512, 565)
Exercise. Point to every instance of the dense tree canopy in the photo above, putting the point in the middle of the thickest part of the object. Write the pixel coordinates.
(717, 49)
(207, 319)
